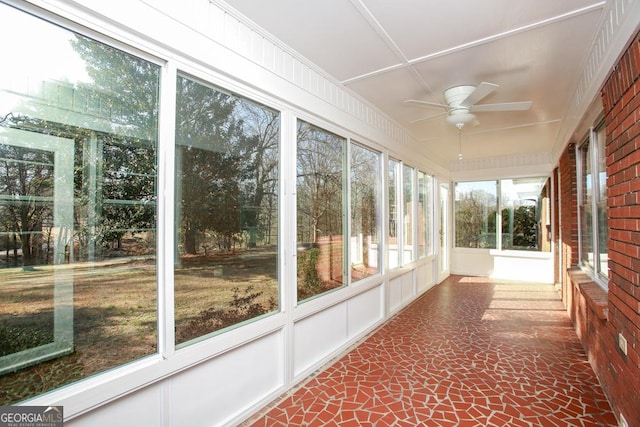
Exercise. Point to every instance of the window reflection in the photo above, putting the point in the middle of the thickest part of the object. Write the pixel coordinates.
(226, 269)
(603, 224)
(592, 175)
(393, 185)
(524, 215)
(408, 223)
(425, 207)
(365, 202)
(476, 205)
(78, 124)
(320, 210)
(586, 209)
(526, 223)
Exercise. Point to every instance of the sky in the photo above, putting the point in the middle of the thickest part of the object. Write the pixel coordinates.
(34, 51)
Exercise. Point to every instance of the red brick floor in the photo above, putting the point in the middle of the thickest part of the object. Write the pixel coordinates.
(470, 352)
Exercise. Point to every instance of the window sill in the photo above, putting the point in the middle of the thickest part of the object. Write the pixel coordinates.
(596, 297)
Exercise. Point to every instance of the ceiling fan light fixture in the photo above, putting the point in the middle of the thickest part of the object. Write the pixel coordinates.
(460, 116)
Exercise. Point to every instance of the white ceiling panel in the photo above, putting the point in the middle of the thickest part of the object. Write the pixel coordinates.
(534, 50)
(422, 28)
(388, 91)
(331, 34)
(492, 144)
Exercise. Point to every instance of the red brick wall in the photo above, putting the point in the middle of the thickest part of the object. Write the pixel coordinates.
(330, 263)
(555, 205)
(621, 101)
(568, 222)
(600, 316)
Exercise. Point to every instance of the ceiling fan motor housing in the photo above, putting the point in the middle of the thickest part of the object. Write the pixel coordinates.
(455, 95)
(459, 115)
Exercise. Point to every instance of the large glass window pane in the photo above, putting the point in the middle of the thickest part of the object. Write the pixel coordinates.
(408, 223)
(320, 193)
(603, 226)
(393, 183)
(425, 208)
(525, 212)
(586, 209)
(476, 206)
(365, 205)
(592, 204)
(78, 140)
(226, 268)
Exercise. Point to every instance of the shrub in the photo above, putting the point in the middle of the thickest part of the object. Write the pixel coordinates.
(18, 338)
(242, 307)
(309, 282)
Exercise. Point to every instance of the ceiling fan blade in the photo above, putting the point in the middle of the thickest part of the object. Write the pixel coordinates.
(482, 90)
(505, 106)
(424, 119)
(419, 103)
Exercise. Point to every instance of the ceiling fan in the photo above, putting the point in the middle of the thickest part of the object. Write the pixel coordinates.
(462, 103)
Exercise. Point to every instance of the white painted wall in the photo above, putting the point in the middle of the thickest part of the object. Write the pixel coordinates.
(401, 290)
(365, 310)
(424, 276)
(504, 265)
(317, 336)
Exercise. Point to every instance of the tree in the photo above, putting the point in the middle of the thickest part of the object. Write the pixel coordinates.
(522, 227)
(319, 187)
(229, 155)
(208, 170)
(226, 152)
(260, 151)
(364, 168)
(475, 218)
(124, 195)
(27, 176)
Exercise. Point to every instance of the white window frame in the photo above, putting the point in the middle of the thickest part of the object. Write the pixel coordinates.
(408, 210)
(62, 150)
(594, 268)
(349, 249)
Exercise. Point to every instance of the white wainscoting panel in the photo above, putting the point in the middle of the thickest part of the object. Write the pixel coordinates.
(209, 393)
(504, 265)
(523, 266)
(408, 288)
(365, 310)
(424, 277)
(141, 408)
(395, 293)
(319, 335)
(401, 290)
